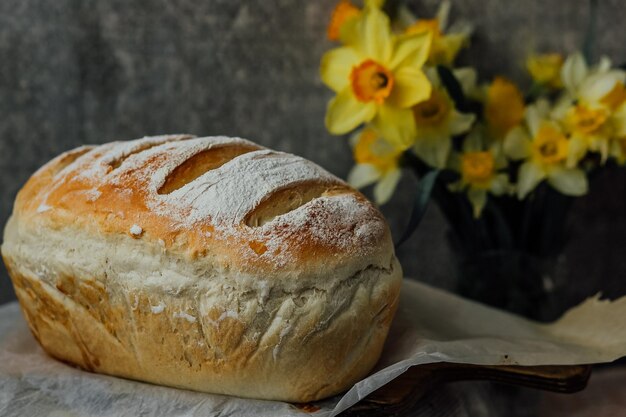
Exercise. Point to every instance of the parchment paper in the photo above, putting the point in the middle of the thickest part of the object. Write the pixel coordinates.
(431, 326)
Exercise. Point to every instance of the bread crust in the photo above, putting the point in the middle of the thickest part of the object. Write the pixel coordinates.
(211, 264)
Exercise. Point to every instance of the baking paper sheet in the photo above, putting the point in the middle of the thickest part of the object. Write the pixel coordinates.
(431, 326)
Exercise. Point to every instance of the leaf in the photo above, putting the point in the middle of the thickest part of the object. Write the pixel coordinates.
(453, 87)
(422, 197)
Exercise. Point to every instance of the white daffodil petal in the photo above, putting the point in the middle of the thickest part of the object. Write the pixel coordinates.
(535, 115)
(386, 186)
(528, 177)
(562, 107)
(517, 144)
(595, 87)
(478, 198)
(461, 27)
(474, 141)
(461, 122)
(362, 175)
(500, 184)
(345, 113)
(467, 78)
(433, 150)
(533, 119)
(569, 181)
(411, 50)
(574, 70)
(604, 64)
(443, 13)
(410, 87)
(576, 150)
(336, 67)
(396, 125)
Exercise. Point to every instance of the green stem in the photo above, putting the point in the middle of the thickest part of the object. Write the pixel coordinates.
(590, 34)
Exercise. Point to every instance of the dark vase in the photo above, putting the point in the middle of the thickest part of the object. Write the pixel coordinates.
(514, 281)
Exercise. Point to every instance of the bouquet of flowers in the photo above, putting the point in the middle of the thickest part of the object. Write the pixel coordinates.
(503, 165)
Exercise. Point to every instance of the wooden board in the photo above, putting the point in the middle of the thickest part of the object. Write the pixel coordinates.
(401, 395)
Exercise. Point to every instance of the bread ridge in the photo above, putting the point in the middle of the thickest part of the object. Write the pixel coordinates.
(178, 306)
(85, 194)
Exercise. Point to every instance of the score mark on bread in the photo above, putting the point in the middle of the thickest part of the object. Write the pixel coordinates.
(210, 263)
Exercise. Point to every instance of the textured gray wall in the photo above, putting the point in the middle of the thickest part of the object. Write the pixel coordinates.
(86, 71)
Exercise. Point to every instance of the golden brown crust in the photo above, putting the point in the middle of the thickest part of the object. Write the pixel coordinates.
(117, 197)
(204, 263)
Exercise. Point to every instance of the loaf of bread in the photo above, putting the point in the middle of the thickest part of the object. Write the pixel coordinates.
(210, 263)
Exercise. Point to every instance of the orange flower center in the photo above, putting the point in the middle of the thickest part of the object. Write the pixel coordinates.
(431, 112)
(586, 120)
(344, 10)
(615, 97)
(477, 168)
(550, 145)
(371, 81)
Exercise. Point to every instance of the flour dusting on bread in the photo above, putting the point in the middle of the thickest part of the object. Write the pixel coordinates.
(219, 201)
(211, 264)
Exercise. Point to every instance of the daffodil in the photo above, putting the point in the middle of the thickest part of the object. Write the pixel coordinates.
(447, 40)
(504, 107)
(377, 161)
(589, 108)
(343, 12)
(480, 168)
(377, 77)
(436, 122)
(545, 149)
(545, 69)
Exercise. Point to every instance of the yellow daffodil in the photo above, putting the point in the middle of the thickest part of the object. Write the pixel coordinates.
(588, 110)
(479, 168)
(377, 161)
(504, 107)
(545, 148)
(377, 78)
(447, 41)
(344, 11)
(545, 69)
(436, 122)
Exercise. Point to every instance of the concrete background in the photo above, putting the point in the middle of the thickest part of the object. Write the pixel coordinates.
(86, 71)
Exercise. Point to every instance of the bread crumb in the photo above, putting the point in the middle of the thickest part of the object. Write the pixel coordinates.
(136, 230)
